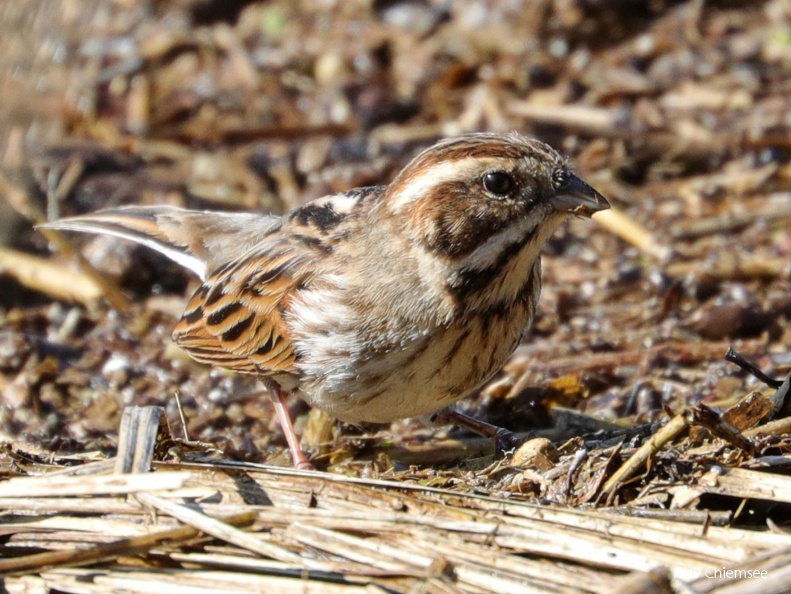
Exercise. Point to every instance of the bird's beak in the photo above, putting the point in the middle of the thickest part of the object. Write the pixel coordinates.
(577, 197)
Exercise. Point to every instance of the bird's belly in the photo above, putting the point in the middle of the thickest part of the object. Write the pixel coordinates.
(411, 378)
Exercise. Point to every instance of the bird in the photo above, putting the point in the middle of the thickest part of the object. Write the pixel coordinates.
(378, 303)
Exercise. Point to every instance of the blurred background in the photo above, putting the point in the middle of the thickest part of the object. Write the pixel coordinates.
(678, 111)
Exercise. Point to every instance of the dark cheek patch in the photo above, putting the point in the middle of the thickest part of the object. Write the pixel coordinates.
(465, 220)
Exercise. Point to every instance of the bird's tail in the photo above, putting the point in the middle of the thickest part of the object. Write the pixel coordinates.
(201, 241)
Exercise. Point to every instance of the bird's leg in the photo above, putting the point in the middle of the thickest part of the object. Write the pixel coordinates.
(505, 440)
(300, 459)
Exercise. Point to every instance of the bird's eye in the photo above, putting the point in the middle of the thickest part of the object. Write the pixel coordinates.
(498, 183)
(560, 178)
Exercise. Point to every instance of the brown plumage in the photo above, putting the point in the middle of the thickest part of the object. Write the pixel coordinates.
(379, 303)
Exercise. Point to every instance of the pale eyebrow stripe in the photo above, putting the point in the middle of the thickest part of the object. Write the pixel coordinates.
(446, 171)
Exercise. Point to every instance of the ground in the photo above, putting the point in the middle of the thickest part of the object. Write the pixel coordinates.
(678, 112)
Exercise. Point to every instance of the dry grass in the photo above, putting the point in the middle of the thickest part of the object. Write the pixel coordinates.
(223, 526)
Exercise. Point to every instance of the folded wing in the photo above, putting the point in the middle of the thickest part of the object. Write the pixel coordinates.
(235, 319)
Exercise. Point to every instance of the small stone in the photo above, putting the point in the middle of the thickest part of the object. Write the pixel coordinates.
(537, 453)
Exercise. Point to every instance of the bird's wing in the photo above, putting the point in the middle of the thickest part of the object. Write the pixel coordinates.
(235, 319)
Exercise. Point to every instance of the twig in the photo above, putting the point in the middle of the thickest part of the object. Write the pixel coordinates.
(731, 222)
(105, 552)
(18, 199)
(590, 120)
(732, 267)
(75, 486)
(701, 415)
(677, 425)
(182, 417)
(737, 359)
(218, 528)
(632, 232)
(778, 427)
(49, 277)
(677, 352)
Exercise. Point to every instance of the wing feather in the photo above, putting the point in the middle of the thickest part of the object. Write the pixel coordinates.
(251, 266)
(235, 319)
(198, 240)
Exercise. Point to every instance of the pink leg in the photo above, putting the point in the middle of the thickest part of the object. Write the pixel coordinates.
(300, 459)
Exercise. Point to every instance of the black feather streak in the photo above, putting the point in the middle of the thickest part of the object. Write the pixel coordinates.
(455, 349)
(322, 216)
(313, 242)
(193, 316)
(268, 345)
(219, 316)
(214, 295)
(233, 333)
(258, 281)
(470, 281)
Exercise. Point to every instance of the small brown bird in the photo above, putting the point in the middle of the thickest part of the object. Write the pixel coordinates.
(378, 303)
